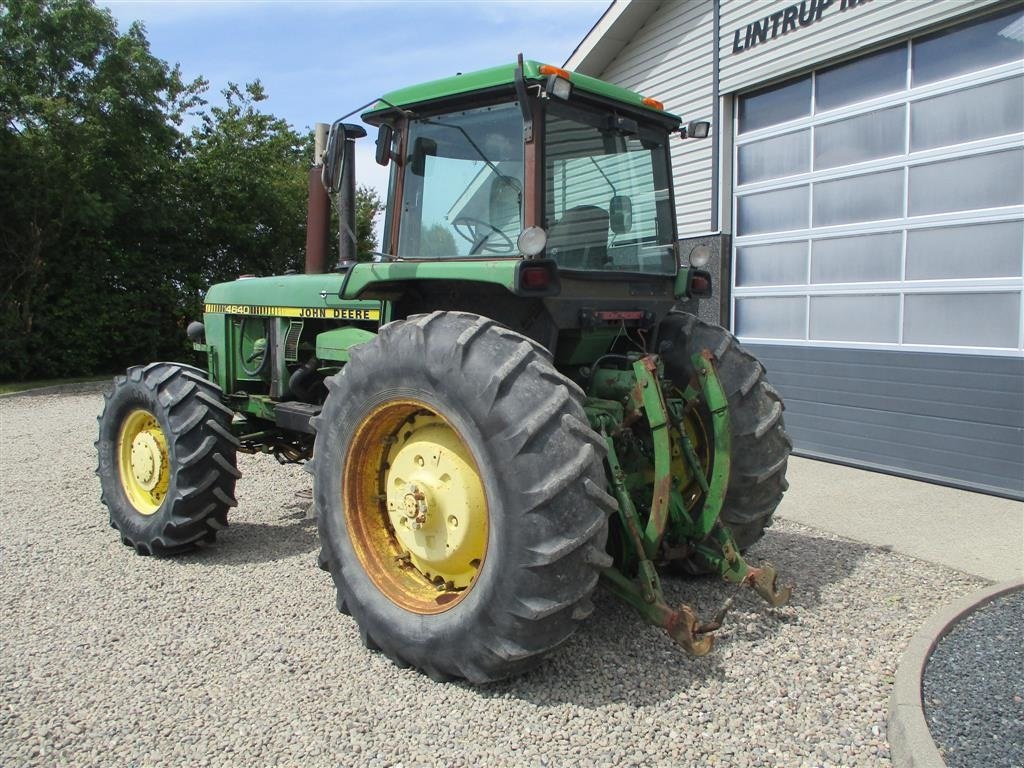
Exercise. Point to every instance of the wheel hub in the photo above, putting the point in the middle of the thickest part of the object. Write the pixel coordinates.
(146, 460)
(143, 461)
(436, 503)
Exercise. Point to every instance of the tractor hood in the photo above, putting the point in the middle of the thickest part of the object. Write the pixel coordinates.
(319, 296)
(304, 296)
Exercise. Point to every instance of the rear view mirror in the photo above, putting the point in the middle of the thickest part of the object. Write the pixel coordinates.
(620, 211)
(385, 137)
(421, 148)
(695, 129)
(334, 159)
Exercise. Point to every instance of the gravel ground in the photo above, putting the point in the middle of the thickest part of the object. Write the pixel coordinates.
(974, 688)
(236, 656)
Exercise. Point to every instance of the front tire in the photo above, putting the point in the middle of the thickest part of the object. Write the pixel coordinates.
(166, 458)
(449, 422)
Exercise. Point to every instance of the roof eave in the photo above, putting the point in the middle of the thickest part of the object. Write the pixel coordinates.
(612, 32)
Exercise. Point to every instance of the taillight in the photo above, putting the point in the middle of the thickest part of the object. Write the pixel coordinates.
(534, 278)
(700, 284)
(538, 277)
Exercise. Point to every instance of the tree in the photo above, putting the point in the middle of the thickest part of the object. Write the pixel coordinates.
(243, 194)
(87, 136)
(368, 207)
(437, 240)
(115, 221)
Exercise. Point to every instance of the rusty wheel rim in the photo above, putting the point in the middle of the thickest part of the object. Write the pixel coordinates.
(415, 507)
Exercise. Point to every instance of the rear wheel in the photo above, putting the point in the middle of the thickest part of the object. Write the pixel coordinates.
(461, 497)
(166, 458)
(760, 446)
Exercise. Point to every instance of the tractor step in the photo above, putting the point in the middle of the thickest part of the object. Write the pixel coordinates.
(295, 416)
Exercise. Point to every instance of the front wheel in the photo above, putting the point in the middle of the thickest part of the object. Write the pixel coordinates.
(461, 498)
(166, 458)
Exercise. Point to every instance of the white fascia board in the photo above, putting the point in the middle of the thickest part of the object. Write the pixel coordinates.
(612, 32)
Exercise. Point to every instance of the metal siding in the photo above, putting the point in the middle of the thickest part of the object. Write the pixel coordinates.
(838, 34)
(935, 416)
(670, 58)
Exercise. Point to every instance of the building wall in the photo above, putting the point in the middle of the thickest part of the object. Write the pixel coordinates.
(670, 58)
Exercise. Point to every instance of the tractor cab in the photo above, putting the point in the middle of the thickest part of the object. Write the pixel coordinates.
(523, 182)
(528, 161)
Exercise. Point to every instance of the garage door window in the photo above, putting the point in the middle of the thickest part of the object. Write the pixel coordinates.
(880, 202)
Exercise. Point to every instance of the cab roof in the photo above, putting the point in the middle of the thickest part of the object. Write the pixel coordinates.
(504, 76)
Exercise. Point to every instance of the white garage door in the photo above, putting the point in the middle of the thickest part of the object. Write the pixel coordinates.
(879, 205)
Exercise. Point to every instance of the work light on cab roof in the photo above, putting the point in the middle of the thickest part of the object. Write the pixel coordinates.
(512, 400)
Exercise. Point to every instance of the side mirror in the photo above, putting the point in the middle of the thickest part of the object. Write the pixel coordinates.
(334, 159)
(620, 211)
(695, 129)
(385, 138)
(421, 148)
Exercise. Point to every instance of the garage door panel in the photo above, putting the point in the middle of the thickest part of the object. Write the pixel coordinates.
(914, 413)
(1001, 374)
(967, 183)
(963, 319)
(969, 114)
(983, 481)
(857, 259)
(889, 398)
(990, 390)
(937, 448)
(966, 251)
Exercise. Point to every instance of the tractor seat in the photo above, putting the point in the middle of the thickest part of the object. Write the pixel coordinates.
(579, 240)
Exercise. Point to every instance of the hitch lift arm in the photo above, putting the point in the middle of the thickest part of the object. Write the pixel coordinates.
(709, 539)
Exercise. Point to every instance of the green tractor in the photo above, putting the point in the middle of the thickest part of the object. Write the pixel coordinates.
(502, 408)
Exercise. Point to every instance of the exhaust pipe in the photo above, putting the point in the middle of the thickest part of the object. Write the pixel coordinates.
(346, 201)
(318, 216)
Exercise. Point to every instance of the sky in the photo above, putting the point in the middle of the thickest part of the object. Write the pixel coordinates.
(319, 59)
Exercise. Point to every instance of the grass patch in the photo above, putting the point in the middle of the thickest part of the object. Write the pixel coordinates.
(10, 387)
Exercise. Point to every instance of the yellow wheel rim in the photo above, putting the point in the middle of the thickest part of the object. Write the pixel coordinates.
(415, 507)
(142, 461)
(698, 436)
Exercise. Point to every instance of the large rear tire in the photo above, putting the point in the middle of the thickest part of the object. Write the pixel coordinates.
(461, 500)
(166, 458)
(760, 447)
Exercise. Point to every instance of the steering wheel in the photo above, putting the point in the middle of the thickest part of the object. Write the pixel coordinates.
(468, 228)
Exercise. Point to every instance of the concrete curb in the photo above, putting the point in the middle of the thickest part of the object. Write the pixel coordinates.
(910, 741)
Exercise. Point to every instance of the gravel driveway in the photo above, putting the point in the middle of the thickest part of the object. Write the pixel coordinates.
(236, 656)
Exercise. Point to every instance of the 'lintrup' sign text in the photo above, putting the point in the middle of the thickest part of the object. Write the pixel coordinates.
(786, 20)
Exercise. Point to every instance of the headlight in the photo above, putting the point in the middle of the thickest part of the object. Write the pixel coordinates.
(559, 87)
(532, 241)
(700, 256)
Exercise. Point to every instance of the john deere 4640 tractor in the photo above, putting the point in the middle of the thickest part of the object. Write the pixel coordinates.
(502, 408)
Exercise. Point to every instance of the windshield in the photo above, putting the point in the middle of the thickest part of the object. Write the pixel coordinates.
(607, 203)
(462, 192)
